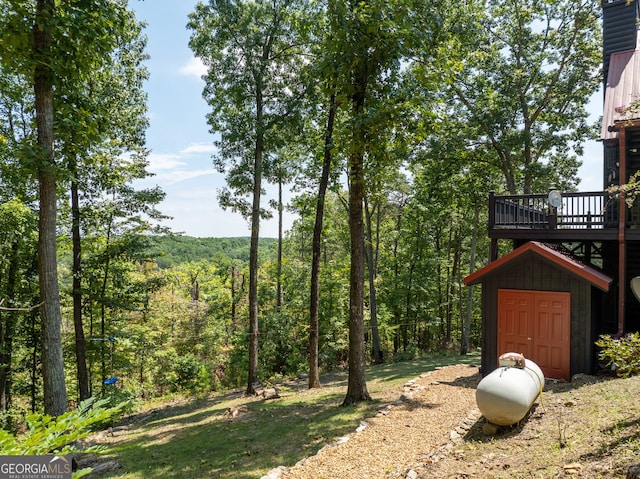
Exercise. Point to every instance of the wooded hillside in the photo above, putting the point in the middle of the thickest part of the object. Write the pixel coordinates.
(173, 250)
(389, 120)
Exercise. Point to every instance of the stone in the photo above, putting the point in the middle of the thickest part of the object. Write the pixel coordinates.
(363, 425)
(489, 429)
(275, 473)
(634, 472)
(573, 468)
(236, 411)
(270, 393)
(104, 467)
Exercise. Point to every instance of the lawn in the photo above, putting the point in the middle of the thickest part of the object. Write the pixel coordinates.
(194, 439)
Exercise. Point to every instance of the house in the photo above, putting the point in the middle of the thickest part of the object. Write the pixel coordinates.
(567, 280)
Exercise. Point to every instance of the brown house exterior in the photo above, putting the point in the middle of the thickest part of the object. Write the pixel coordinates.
(568, 278)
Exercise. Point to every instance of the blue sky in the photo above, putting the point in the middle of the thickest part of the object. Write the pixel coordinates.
(181, 144)
(179, 139)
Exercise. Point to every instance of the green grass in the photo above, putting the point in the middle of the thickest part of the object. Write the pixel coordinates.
(195, 440)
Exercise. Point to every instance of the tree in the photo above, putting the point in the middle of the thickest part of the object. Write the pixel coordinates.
(316, 243)
(18, 241)
(252, 55)
(55, 392)
(109, 127)
(524, 83)
(365, 35)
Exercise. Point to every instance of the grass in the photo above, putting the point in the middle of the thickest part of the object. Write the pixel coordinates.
(195, 440)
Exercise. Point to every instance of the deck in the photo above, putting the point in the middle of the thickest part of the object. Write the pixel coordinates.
(590, 216)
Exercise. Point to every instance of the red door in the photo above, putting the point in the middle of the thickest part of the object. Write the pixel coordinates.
(537, 324)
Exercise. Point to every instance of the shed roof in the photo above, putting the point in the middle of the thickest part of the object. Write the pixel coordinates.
(591, 275)
(622, 91)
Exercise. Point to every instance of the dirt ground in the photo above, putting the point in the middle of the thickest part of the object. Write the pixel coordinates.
(588, 428)
(434, 410)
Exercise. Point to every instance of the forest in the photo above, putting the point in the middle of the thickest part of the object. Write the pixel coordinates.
(390, 120)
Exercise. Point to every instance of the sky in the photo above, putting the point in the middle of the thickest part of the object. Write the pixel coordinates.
(181, 144)
(178, 137)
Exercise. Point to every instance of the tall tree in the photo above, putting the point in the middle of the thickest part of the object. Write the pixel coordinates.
(19, 220)
(109, 114)
(55, 391)
(366, 35)
(316, 244)
(524, 83)
(252, 55)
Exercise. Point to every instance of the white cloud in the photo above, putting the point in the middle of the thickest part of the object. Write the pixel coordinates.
(199, 148)
(176, 176)
(164, 161)
(194, 67)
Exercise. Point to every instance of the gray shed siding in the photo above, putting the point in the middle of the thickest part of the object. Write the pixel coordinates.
(531, 272)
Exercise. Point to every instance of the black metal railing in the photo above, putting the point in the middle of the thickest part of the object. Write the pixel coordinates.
(575, 211)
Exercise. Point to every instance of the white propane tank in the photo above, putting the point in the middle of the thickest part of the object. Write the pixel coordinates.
(506, 394)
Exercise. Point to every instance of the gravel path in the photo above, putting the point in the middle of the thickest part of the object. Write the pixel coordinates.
(434, 411)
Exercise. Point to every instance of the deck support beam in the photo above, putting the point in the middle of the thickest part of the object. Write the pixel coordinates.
(622, 246)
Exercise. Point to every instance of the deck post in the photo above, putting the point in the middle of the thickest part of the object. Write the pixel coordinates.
(553, 217)
(492, 210)
(622, 223)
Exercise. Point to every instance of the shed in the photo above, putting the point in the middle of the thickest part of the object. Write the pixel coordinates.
(544, 304)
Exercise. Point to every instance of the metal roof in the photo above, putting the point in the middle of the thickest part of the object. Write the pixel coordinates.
(622, 91)
(591, 275)
(619, 28)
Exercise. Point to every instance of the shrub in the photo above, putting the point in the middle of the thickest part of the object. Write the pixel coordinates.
(60, 435)
(622, 354)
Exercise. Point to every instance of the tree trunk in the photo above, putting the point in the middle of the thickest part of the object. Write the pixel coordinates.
(33, 392)
(370, 255)
(103, 307)
(253, 252)
(466, 329)
(356, 385)
(314, 303)
(55, 393)
(233, 296)
(279, 268)
(81, 355)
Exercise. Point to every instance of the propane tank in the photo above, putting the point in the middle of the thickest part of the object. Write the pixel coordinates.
(506, 394)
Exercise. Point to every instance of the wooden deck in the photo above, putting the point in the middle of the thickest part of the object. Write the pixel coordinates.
(591, 216)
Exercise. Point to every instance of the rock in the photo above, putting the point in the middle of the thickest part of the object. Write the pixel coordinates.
(385, 410)
(82, 460)
(634, 472)
(489, 429)
(104, 467)
(235, 411)
(573, 468)
(363, 425)
(270, 393)
(411, 475)
(275, 473)
(455, 437)
(407, 396)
